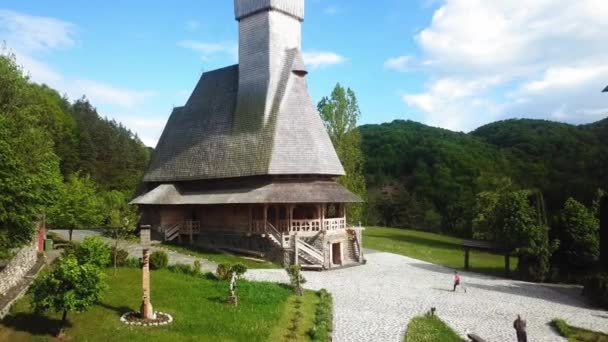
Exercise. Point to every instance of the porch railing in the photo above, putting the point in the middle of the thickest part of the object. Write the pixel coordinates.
(301, 226)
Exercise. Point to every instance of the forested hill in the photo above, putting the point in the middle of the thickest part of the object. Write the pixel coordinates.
(435, 173)
(58, 158)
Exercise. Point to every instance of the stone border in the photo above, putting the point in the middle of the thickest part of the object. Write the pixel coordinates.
(16, 292)
(124, 320)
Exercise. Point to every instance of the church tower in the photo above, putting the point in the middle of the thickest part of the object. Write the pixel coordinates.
(268, 29)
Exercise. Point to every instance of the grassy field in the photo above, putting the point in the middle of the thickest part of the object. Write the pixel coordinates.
(574, 334)
(435, 248)
(197, 305)
(429, 329)
(306, 308)
(219, 256)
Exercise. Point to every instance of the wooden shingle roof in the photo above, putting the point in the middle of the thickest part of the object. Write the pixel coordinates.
(209, 139)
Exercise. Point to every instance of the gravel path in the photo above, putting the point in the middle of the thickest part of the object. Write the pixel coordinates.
(374, 302)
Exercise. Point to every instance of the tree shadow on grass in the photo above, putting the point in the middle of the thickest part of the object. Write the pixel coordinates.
(34, 324)
(120, 310)
(533, 291)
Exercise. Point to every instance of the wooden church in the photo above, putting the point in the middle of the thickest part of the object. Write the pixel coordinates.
(246, 163)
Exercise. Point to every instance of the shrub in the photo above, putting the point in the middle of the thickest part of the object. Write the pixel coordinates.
(181, 268)
(133, 262)
(196, 267)
(223, 271)
(596, 289)
(238, 268)
(158, 260)
(93, 251)
(296, 279)
(323, 322)
(562, 327)
(121, 257)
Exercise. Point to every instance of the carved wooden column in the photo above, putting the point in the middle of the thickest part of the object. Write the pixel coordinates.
(146, 310)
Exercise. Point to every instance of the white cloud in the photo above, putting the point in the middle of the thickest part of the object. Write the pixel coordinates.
(32, 33)
(401, 63)
(149, 129)
(320, 59)
(542, 57)
(32, 37)
(209, 50)
(100, 92)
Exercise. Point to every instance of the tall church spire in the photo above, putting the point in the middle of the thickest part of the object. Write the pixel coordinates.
(268, 29)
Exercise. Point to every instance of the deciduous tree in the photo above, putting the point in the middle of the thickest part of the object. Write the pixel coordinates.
(79, 206)
(340, 113)
(68, 287)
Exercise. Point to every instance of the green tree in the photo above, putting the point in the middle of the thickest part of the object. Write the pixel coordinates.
(79, 206)
(93, 250)
(29, 166)
(516, 221)
(340, 113)
(121, 220)
(579, 236)
(68, 287)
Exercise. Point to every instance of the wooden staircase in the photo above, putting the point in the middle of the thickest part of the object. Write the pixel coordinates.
(353, 249)
(172, 232)
(308, 256)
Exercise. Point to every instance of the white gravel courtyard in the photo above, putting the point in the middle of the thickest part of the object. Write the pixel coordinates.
(375, 302)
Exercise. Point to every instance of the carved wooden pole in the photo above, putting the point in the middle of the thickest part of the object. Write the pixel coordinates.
(147, 312)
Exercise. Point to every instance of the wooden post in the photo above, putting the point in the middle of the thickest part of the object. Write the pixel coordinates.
(466, 258)
(290, 219)
(146, 310)
(250, 219)
(265, 216)
(190, 231)
(322, 217)
(295, 249)
(360, 239)
(507, 264)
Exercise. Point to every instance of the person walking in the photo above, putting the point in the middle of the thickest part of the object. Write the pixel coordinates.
(457, 281)
(520, 329)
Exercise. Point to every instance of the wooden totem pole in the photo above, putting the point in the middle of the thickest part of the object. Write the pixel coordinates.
(147, 312)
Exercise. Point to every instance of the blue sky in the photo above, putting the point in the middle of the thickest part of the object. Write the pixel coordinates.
(456, 64)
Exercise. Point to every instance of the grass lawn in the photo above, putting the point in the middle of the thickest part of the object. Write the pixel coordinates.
(574, 334)
(306, 307)
(219, 256)
(429, 329)
(435, 248)
(197, 305)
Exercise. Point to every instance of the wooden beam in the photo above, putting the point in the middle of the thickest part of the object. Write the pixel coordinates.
(250, 217)
(265, 217)
(322, 217)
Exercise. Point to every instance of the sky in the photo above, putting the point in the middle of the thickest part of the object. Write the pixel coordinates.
(456, 64)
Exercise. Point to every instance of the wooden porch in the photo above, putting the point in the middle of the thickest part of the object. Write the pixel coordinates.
(297, 219)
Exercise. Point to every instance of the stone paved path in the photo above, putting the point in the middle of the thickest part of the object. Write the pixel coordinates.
(374, 302)
(135, 249)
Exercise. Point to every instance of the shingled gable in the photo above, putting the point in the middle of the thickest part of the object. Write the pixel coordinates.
(255, 118)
